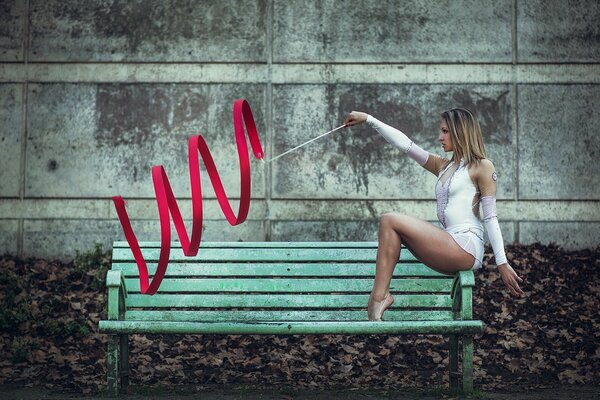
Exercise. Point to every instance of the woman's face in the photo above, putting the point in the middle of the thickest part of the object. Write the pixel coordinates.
(444, 138)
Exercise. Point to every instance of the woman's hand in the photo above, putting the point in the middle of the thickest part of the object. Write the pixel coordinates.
(355, 118)
(511, 279)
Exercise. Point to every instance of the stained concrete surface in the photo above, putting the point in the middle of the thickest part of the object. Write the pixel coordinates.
(327, 231)
(357, 162)
(11, 101)
(392, 31)
(569, 235)
(558, 31)
(88, 140)
(13, 14)
(558, 141)
(94, 94)
(153, 30)
(9, 233)
(60, 238)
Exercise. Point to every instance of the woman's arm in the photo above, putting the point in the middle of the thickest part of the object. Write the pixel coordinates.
(486, 180)
(430, 162)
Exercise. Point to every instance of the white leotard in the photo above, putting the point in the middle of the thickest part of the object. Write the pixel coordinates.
(455, 195)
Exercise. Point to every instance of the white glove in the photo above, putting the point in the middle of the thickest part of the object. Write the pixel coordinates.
(399, 139)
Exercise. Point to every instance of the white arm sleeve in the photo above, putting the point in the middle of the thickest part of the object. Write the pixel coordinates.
(399, 139)
(490, 221)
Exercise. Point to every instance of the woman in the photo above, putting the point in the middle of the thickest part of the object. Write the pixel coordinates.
(463, 182)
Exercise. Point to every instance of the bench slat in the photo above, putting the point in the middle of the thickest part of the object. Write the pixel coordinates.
(285, 315)
(278, 269)
(335, 301)
(264, 254)
(294, 327)
(290, 285)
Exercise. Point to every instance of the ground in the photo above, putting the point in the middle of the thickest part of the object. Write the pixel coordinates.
(579, 392)
(544, 345)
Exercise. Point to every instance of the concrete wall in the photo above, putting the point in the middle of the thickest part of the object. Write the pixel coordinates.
(94, 93)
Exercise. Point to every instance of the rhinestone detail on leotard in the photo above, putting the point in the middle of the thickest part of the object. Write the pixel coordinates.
(442, 193)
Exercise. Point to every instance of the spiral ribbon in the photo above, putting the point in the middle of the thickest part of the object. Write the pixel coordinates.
(167, 204)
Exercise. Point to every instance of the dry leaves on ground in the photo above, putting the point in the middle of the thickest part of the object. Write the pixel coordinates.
(49, 336)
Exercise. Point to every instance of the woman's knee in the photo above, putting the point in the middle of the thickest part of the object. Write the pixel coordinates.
(391, 220)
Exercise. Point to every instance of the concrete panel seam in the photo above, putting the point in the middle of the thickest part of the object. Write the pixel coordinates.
(24, 99)
(300, 73)
(515, 44)
(14, 208)
(25, 38)
(28, 32)
(516, 144)
(24, 108)
(20, 238)
(23, 149)
(269, 117)
(23, 165)
(509, 210)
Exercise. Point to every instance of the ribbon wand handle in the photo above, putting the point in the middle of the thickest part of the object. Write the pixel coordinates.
(305, 143)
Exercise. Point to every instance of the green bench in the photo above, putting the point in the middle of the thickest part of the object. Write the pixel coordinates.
(284, 288)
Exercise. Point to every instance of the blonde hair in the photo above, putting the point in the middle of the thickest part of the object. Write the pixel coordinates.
(466, 134)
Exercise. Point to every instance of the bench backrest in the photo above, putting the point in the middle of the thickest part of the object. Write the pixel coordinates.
(279, 281)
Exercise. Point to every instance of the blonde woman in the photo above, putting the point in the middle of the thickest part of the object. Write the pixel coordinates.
(464, 181)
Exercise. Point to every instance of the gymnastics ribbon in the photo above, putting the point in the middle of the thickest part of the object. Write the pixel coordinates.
(167, 204)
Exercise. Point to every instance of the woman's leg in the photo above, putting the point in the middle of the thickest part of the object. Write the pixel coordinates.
(433, 246)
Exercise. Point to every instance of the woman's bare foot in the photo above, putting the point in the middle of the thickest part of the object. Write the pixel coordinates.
(375, 308)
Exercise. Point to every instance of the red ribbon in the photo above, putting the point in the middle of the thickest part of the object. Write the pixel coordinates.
(167, 204)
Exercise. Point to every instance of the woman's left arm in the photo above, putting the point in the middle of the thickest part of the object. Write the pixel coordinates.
(486, 180)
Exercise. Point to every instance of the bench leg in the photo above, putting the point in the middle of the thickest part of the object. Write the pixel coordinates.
(454, 374)
(117, 360)
(467, 363)
(113, 364)
(124, 369)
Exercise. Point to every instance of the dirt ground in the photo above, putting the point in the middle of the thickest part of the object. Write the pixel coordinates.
(579, 392)
(546, 343)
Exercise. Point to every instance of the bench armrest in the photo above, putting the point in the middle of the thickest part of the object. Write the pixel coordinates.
(116, 294)
(462, 295)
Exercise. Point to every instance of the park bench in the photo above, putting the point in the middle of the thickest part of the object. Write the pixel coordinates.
(284, 288)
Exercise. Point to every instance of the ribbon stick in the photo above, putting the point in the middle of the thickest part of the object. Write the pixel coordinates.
(305, 143)
(167, 204)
